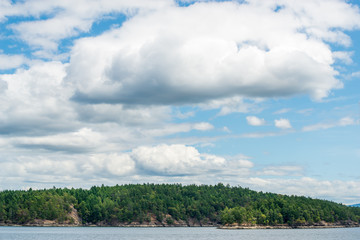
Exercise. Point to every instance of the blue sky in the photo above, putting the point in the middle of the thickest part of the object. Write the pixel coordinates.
(261, 94)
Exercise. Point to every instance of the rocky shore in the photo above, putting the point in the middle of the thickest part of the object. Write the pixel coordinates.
(48, 223)
(75, 221)
(321, 224)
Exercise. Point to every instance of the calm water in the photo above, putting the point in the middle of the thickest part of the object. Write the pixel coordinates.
(100, 233)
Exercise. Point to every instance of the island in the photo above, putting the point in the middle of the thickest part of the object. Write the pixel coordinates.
(162, 205)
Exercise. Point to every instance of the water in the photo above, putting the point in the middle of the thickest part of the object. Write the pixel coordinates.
(112, 233)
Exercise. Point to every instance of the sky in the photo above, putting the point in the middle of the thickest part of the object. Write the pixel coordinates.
(258, 94)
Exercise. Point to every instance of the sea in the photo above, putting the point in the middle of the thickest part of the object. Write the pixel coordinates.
(174, 233)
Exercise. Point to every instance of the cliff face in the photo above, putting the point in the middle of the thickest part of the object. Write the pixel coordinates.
(321, 224)
(168, 221)
(74, 216)
(72, 219)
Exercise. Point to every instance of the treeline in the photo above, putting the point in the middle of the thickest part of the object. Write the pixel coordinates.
(19, 207)
(294, 211)
(169, 203)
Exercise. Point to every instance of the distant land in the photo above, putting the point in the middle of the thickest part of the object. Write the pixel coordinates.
(355, 205)
(153, 205)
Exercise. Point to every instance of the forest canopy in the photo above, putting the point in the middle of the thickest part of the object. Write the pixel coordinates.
(169, 203)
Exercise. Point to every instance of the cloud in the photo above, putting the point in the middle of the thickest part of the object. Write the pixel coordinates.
(282, 111)
(306, 111)
(226, 129)
(3, 86)
(230, 105)
(64, 19)
(49, 167)
(36, 114)
(115, 164)
(11, 61)
(122, 115)
(355, 74)
(339, 191)
(243, 163)
(255, 121)
(157, 161)
(175, 160)
(168, 163)
(281, 171)
(282, 123)
(84, 140)
(261, 134)
(178, 128)
(35, 100)
(203, 126)
(185, 115)
(346, 121)
(344, 57)
(158, 57)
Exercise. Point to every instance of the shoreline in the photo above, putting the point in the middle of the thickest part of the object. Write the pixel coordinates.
(233, 227)
(284, 226)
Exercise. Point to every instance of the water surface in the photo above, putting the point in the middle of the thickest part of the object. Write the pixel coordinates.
(176, 233)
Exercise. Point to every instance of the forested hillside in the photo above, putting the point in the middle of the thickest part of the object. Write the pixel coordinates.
(168, 204)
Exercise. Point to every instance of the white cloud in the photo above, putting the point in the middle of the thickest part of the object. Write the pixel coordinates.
(3, 86)
(226, 129)
(168, 163)
(243, 163)
(161, 160)
(344, 57)
(185, 115)
(282, 111)
(36, 100)
(346, 121)
(281, 171)
(282, 123)
(45, 166)
(158, 57)
(11, 61)
(83, 140)
(261, 134)
(339, 191)
(177, 128)
(204, 126)
(355, 74)
(230, 105)
(306, 111)
(122, 115)
(175, 160)
(67, 19)
(115, 164)
(255, 121)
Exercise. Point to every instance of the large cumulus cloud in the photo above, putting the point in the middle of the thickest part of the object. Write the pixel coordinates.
(176, 160)
(36, 100)
(212, 51)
